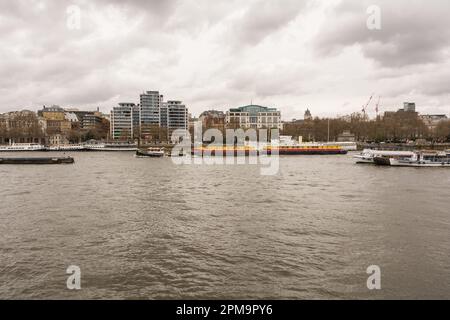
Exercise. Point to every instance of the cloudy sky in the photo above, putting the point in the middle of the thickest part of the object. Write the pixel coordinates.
(290, 54)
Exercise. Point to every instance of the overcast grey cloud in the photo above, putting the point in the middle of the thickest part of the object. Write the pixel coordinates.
(263, 18)
(413, 32)
(219, 54)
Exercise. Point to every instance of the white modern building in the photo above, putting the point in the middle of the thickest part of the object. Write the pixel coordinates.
(123, 121)
(128, 120)
(163, 115)
(150, 112)
(177, 117)
(254, 116)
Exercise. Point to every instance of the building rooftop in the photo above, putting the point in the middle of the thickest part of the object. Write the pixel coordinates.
(253, 109)
(212, 113)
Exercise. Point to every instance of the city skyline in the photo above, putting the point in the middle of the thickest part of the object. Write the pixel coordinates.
(314, 54)
(310, 110)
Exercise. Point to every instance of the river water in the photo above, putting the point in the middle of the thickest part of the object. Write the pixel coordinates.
(149, 229)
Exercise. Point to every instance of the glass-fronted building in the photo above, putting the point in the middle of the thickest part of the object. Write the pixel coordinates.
(177, 116)
(124, 121)
(148, 118)
(150, 108)
(254, 116)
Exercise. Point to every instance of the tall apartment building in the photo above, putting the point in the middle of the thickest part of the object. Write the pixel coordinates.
(136, 117)
(123, 121)
(254, 116)
(149, 118)
(150, 112)
(163, 115)
(177, 117)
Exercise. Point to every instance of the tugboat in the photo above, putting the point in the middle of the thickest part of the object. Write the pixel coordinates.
(150, 153)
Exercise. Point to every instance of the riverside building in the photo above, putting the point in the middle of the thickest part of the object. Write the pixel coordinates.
(254, 116)
(177, 117)
(150, 112)
(151, 120)
(123, 121)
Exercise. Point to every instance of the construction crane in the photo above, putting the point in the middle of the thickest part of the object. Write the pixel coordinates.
(366, 106)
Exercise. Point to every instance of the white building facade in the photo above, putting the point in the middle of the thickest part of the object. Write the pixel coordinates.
(253, 116)
(129, 121)
(177, 117)
(123, 121)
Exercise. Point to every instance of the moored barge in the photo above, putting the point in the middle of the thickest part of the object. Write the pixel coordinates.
(33, 160)
(306, 150)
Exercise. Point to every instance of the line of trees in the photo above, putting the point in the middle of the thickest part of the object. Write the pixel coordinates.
(22, 127)
(393, 127)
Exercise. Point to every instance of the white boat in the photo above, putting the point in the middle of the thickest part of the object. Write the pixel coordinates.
(111, 147)
(423, 159)
(68, 147)
(367, 156)
(22, 147)
(150, 153)
(120, 147)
